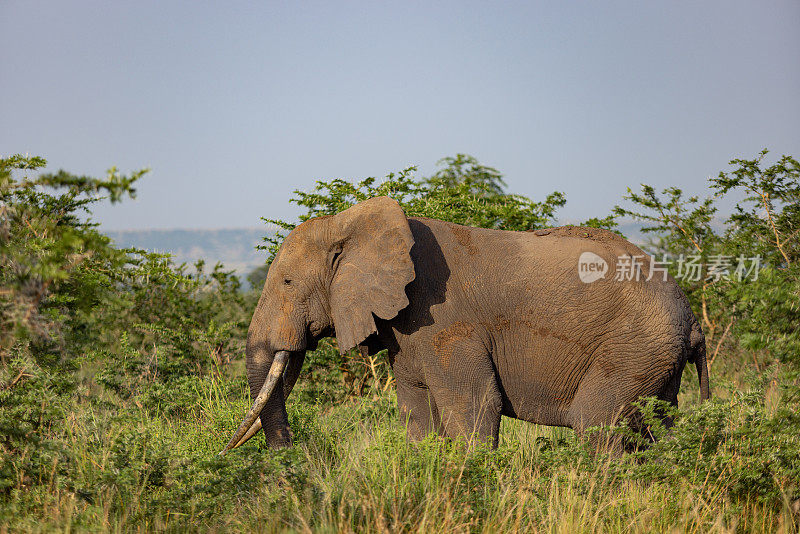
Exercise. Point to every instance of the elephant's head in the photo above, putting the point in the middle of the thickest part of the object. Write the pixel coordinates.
(331, 274)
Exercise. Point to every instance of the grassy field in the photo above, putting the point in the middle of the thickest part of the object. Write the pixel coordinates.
(127, 468)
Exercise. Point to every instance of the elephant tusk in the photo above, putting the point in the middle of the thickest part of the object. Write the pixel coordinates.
(250, 433)
(257, 423)
(275, 372)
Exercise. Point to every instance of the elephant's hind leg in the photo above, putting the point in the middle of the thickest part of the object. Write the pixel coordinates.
(606, 396)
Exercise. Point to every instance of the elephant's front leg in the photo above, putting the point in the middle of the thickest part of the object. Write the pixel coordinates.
(472, 412)
(418, 409)
(464, 385)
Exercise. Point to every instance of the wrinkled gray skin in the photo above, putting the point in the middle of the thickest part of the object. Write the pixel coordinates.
(478, 323)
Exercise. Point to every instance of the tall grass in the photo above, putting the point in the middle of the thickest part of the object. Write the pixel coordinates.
(352, 470)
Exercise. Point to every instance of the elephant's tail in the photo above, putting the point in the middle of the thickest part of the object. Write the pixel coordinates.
(697, 354)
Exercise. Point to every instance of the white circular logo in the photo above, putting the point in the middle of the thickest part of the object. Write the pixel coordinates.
(591, 267)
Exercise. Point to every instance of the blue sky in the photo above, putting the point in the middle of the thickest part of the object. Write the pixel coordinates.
(234, 105)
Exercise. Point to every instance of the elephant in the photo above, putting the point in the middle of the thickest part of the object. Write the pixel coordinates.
(477, 323)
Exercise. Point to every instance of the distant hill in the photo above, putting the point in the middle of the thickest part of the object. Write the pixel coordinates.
(234, 247)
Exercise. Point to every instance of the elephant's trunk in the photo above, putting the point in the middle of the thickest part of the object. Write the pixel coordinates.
(273, 378)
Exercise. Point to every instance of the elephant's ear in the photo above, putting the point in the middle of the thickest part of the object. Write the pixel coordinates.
(372, 265)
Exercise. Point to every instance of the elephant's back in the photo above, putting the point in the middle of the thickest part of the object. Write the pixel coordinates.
(598, 276)
(589, 237)
(568, 263)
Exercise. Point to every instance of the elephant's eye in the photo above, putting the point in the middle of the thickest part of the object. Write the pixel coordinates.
(287, 281)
